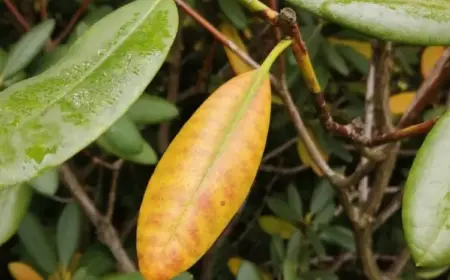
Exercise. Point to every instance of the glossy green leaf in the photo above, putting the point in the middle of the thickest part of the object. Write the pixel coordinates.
(36, 243)
(68, 233)
(294, 200)
(248, 271)
(14, 79)
(322, 195)
(47, 183)
(340, 236)
(294, 246)
(125, 137)
(48, 59)
(147, 156)
(423, 22)
(26, 49)
(234, 13)
(14, 203)
(149, 109)
(277, 250)
(48, 118)
(426, 201)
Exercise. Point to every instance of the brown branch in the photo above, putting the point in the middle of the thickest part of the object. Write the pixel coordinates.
(106, 232)
(43, 9)
(76, 16)
(277, 151)
(428, 89)
(113, 190)
(15, 12)
(283, 170)
(399, 264)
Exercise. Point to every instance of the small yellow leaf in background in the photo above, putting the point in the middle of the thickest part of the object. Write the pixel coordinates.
(235, 262)
(362, 47)
(22, 271)
(399, 103)
(238, 65)
(306, 158)
(273, 225)
(429, 58)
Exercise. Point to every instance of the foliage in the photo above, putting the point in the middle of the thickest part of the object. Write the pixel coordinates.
(129, 135)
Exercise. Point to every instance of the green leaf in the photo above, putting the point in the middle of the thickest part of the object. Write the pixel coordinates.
(356, 59)
(184, 276)
(125, 136)
(14, 79)
(147, 156)
(277, 250)
(315, 243)
(98, 260)
(294, 246)
(248, 271)
(423, 22)
(322, 195)
(335, 59)
(431, 273)
(14, 203)
(68, 233)
(149, 109)
(319, 275)
(124, 276)
(340, 236)
(289, 270)
(282, 209)
(325, 216)
(234, 13)
(47, 119)
(34, 239)
(26, 49)
(48, 59)
(294, 200)
(426, 201)
(46, 183)
(82, 274)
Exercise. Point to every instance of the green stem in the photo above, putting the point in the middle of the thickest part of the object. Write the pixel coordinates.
(264, 69)
(253, 5)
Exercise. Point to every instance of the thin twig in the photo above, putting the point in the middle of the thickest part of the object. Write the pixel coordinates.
(76, 16)
(113, 190)
(277, 151)
(13, 9)
(43, 9)
(105, 230)
(369, 119)
(283, 170)
(399, 264)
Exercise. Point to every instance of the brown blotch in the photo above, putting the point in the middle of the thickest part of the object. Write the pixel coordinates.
(222, 203)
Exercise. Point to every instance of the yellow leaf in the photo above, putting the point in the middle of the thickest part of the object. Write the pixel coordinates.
(429, 58)
(306, 158)
(362, 47)
(22, 271)
(238, 65)
(399, 103)
(203, 178)
(235, 262)
(273, 225)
